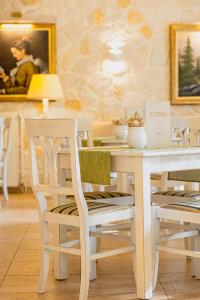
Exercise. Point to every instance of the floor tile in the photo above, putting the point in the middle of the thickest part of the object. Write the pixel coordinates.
(16, 284)
(180, 266)
(6, 254)
(1, 279)
(4, 265)
(27, 255)
(35, 296)
(179, 281)
(32, 236)
(125, 296)
(24, 268)
(184, 295)
(30, 245)
(13, 232)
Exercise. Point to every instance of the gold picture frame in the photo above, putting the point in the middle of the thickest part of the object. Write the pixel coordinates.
(185, 64)
(26, 48)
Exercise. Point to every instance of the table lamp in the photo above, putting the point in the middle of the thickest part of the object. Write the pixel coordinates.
(45, 87)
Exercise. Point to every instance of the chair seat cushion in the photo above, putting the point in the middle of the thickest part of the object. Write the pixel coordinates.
(71, 208)
(102, 195)
(189, 206)
(168, 197)
(189, 194)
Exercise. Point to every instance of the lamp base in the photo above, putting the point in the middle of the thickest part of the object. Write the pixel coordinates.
(45, 105)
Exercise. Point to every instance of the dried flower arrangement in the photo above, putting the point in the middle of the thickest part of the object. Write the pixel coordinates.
(136, 121)
(121, 121)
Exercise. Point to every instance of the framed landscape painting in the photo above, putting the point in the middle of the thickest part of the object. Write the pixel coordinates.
(26, 49)
(185, 64)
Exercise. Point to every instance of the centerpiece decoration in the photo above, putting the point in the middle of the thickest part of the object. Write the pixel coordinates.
(137, 136)
(121, 128)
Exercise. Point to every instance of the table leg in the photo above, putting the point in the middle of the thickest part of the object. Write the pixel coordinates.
(143, 228)
(60, 236)
(164, 181)
(122, 182)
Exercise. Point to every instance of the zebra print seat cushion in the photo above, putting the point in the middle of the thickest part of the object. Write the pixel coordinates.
(71, 208)
(93, 207)
(182, 194)
(189, 206)
(167, 197)
(102, 195)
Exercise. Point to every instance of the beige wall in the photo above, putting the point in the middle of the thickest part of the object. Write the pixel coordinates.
(88, 29)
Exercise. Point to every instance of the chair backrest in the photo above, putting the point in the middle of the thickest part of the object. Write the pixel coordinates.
(180, 129)
(85, 131)
(194, 125)
(192, 137)
(53, 136)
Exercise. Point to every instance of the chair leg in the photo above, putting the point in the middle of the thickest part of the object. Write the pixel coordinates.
(197, 260)
(98, 246)
(93, 247)
(155, 242)
(187, 243)
(60, 259)
(44, 259)
(85, 263)
(133, 242)
(5, 183)
(193, 248)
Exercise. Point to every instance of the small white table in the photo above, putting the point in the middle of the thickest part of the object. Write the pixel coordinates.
(142, 163)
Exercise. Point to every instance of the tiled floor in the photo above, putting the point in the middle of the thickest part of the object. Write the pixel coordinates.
(19, 265)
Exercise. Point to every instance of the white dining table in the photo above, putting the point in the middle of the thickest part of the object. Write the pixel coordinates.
(142, 162)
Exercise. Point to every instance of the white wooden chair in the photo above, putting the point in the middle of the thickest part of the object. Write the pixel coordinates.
(179, 136)
(186, 211)
(53, 135)
(189, 179)
(5, 146)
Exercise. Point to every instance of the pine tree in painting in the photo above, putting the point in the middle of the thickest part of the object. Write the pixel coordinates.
(180, 72)
(186, 66)
(197, 69)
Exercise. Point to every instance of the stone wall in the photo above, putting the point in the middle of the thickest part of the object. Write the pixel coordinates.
(110, 53)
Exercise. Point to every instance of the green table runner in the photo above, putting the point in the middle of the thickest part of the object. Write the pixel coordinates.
(95, 142)
(95, 166)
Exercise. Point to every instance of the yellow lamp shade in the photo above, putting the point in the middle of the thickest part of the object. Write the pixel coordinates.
(45, 86)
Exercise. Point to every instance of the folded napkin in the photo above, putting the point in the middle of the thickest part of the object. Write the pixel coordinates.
(95, 166)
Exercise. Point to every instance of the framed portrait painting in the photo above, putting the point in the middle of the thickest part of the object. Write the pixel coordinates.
(185, 64)
(26, 49)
